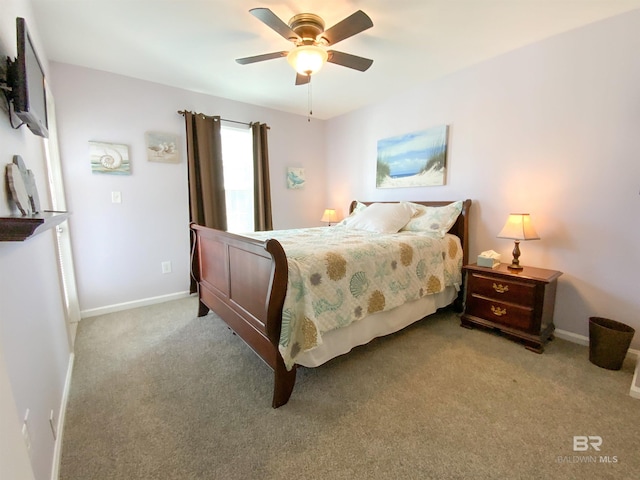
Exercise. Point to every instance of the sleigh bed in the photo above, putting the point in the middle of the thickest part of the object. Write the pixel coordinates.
(293, 312)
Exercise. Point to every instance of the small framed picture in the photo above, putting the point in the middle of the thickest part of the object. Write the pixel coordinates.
(295, 178)
(162, 147)
(110, 158)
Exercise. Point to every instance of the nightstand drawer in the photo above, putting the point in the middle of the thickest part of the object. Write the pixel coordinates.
(508, 314)
(501, 289)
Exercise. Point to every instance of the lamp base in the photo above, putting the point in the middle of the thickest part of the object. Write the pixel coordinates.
(515, 263)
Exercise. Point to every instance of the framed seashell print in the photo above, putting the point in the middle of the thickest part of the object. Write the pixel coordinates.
(111, 158)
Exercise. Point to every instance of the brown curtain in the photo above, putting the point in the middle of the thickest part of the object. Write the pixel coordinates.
(207, 205)
(262, 187)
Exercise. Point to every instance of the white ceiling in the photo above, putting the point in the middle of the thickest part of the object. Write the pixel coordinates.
(192, 44)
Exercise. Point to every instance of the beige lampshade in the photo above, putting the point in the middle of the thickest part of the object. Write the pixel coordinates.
(519, 227)
(329, 216)
(307, 59)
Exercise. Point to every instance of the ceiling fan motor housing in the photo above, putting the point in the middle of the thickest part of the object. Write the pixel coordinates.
(308, 26)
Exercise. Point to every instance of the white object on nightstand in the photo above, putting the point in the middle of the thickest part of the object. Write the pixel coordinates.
(489, 259)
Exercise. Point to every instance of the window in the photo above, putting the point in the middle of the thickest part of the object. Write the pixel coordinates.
(237, 165)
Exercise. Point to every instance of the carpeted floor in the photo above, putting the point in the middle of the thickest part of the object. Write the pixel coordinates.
(158, 393)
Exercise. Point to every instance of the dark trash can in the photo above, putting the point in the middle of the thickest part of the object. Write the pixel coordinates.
(608, 342)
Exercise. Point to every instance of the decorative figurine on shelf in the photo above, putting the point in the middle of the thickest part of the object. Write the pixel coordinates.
(23, 188)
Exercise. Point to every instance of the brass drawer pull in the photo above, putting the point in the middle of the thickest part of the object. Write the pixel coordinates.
(497, 311)
(500, 288)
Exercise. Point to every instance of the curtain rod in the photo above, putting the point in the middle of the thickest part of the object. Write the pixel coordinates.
(182, 112)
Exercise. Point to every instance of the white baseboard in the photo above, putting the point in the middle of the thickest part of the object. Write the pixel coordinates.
(631, 353)
(635, 384)
(57, 449)
(571, 337)
(582, 340)
(94, 312)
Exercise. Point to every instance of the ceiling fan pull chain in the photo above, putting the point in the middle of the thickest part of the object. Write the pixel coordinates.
(309, 101)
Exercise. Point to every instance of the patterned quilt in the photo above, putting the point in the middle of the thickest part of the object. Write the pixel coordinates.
(339, 275)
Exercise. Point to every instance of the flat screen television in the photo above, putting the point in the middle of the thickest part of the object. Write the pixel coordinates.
(25, 78)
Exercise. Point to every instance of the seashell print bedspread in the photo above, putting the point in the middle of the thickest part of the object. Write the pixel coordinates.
(339, 275)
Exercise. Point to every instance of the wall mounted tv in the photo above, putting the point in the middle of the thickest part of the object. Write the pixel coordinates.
(25, 80)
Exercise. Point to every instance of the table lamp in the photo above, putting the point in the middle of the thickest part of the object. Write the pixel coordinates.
(330, 216)
(518, 227)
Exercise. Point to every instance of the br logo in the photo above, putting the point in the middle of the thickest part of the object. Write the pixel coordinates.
(582, 443)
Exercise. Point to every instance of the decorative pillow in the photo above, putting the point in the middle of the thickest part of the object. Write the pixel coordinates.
(436, 220)
(381, 217)
(357, 209)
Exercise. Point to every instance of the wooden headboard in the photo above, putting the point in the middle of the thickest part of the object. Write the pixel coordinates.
(459, 229)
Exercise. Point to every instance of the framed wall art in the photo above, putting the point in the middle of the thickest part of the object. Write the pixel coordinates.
(162, 147)
(110, 158)
(295, 178)
(417, 159)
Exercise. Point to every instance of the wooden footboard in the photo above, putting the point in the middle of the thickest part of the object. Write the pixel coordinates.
(244, 281)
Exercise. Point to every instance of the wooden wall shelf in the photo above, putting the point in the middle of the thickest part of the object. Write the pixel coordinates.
(18, 228)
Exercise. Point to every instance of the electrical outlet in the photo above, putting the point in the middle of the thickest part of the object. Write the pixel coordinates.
(166, 267)
(116, 197)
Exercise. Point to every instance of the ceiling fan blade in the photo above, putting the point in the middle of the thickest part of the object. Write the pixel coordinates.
(302, 79)
(355, 23)
(271, 20)
(348, 60)
(261, 58)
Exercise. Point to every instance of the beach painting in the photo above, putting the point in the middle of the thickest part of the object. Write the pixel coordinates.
(417, 159)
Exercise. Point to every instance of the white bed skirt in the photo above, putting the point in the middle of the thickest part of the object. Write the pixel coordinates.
(342, 340)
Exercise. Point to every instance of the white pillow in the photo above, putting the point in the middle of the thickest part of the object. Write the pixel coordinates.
(358, 208)
(436, 220)
(381, 217)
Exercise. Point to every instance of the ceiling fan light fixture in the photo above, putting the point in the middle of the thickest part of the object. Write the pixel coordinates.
(307, 59)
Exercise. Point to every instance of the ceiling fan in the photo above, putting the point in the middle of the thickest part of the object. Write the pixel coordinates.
(306, 31)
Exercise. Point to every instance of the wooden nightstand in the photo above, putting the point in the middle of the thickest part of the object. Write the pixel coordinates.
(519, 304)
